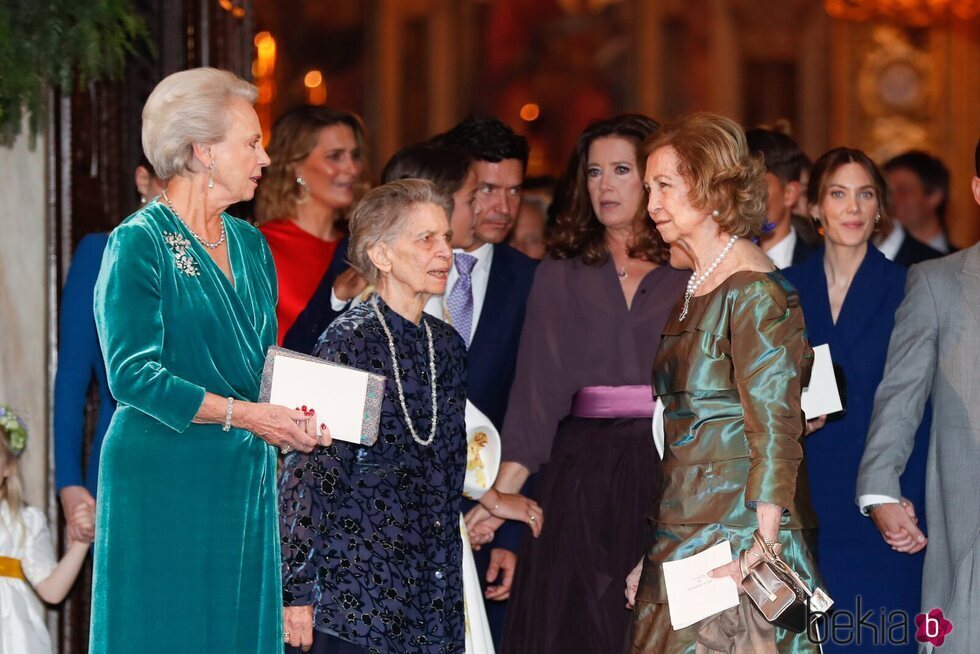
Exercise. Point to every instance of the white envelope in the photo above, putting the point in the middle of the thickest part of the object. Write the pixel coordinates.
(822, 396)
(347, 400)
(692, 595)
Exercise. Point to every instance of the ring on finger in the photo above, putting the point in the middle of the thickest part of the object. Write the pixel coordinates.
(285, 635)
(532, 517)
(286, 449)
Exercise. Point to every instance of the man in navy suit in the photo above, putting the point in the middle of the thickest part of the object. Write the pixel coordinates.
(485, 300)
(784, 163)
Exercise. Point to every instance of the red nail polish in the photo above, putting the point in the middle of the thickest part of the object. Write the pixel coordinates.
(304, 407)
(323, 427)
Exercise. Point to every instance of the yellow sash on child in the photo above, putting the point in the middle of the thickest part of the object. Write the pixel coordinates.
(11, 568)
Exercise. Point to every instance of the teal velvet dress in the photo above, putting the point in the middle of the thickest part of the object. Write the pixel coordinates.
(730, 377)
(186, 550)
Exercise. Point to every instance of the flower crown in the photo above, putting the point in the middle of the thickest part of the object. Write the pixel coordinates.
(16, 429)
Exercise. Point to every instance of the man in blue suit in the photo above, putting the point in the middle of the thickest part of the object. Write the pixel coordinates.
(485, 300)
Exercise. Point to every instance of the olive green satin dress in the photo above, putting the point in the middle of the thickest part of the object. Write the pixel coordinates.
(730, 376)
(186, 552)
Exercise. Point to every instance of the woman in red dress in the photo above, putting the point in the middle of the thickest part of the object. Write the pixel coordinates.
(317, 174)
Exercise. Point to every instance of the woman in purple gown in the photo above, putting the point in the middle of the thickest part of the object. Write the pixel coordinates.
(581, 405)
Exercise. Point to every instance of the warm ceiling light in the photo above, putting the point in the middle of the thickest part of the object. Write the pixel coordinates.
(919, 13)
(530, 112)
(313, 79)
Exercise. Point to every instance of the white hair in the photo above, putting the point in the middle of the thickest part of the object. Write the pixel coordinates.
(185, 108)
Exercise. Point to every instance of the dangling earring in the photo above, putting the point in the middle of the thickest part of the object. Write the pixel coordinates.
(211, 174)
(877, 218)
(304, 193)
(142, 199)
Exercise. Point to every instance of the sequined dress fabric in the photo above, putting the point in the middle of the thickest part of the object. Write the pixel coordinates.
(370, 535)
(730, 376)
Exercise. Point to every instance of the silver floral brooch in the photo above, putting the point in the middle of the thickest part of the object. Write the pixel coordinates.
(184, 262)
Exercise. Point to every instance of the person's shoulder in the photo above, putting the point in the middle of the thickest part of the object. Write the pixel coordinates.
(145, 225)
(35, 520)
(443, 332)
(947, 266)
(515, 259)
(749, 289)
(245, 230)
(91, 247)
(350, 324)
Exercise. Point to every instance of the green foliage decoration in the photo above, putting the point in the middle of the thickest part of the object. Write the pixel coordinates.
(58, 43)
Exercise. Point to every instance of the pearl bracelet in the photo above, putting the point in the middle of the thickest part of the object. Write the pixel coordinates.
(227, 425)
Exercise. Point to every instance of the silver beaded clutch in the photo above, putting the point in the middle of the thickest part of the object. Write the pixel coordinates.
(347, 400)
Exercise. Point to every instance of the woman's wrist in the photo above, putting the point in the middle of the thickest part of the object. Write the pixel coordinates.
(490, 500)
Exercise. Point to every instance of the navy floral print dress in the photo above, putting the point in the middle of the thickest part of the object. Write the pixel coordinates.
(370, 535)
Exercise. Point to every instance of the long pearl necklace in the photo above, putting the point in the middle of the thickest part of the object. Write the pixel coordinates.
(398, 376)
(208, 244)
(694, 283)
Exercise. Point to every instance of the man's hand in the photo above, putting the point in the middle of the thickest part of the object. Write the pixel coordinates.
(503, 563)
(80, 530)
(898, 525)
(349, 285)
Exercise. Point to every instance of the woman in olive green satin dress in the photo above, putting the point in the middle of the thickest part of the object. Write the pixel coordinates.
(730, 368)
(187, 556)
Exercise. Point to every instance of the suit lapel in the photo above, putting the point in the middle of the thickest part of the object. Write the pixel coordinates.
(864, 298)
(969, 278)
(498, 284)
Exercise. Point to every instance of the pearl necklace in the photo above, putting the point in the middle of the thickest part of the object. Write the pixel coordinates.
(398, 376)
(208, 244)
(694, 283)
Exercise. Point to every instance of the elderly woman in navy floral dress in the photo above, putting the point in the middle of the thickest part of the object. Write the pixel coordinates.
(371, 543)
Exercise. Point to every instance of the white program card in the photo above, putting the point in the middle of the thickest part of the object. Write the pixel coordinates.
(691, 594)
(822, 396)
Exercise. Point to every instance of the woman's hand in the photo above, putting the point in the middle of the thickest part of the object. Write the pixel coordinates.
(284, 428)
(734, 569)
(71, 498)
(815, 424)
(898, 525)
(632, 584)
(297, 626)
(84, 518)
(349, 285)
(513, 506)
(481, 526)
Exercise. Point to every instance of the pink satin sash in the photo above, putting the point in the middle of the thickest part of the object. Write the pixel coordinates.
(613, 402)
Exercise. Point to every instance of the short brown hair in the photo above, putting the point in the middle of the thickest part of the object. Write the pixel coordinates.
(294, 136)
(577, 231)
(828, 164)
(379, 218)
(716, 163)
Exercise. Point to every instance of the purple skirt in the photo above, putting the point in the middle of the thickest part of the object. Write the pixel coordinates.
(598, 493)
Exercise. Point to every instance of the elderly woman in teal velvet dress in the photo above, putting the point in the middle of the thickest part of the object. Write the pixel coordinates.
(187, 555)
(730, 369)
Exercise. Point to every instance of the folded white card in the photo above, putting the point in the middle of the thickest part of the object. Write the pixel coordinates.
(346, 399)
(691, 594)
(822, 396)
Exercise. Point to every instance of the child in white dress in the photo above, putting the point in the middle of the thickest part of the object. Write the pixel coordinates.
(28, 568)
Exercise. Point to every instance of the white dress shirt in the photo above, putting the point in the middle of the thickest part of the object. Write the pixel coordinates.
(781, 253)
(939, 242)
(890, 245)
(480, 277)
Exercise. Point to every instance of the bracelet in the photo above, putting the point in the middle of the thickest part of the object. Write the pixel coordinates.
(227, 425)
